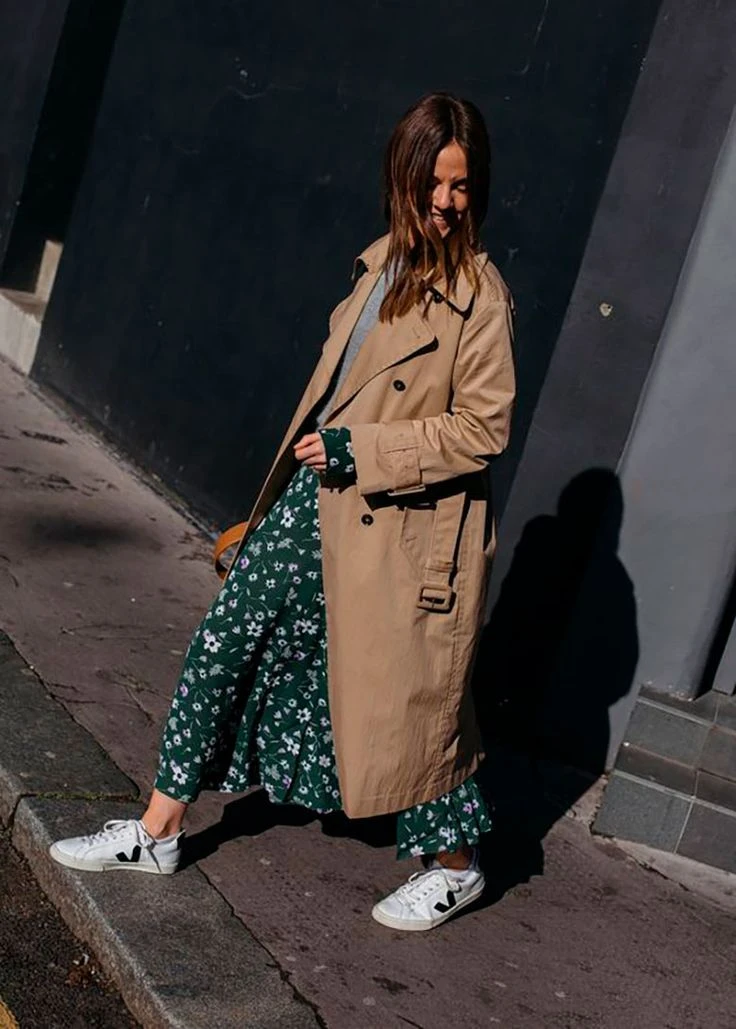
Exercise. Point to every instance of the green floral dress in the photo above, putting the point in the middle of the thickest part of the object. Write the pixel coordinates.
(251, 707)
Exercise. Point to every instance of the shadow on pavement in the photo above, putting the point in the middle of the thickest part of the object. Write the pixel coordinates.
(75, 530)
(254, 814)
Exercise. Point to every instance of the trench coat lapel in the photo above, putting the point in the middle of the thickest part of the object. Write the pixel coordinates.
(327, 366)
(385, 345)
(338, 340)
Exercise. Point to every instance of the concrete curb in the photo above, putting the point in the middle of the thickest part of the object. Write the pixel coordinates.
(43, 752)
(178, 955)
(716, 885)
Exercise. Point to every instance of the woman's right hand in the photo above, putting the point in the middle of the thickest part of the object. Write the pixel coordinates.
(310, 450)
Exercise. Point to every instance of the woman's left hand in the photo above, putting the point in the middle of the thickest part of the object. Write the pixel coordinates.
(310, 450)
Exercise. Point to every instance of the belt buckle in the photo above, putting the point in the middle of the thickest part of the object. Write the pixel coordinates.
(434, 596)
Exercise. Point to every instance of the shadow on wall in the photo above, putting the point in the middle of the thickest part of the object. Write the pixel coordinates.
(550, 666)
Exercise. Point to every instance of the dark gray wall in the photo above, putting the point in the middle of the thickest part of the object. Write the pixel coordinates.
(235, 174)
(679, 534)
(553, 665)
(647, 215)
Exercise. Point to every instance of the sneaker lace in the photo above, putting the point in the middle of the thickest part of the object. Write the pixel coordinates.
(116, 827)
(421, 884)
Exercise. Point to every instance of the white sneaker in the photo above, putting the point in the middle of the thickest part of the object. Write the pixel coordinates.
(121, 844)
(429, 898)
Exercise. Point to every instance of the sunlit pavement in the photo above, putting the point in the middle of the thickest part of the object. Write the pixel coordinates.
(101, 585)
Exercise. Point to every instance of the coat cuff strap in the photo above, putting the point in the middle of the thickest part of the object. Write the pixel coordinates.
(387, 457)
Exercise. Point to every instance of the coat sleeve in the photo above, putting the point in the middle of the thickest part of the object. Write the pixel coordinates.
(407, 455)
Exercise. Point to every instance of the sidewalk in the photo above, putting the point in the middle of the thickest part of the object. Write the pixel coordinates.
(101, 584)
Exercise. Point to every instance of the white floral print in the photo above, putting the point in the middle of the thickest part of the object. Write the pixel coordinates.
(255, 678)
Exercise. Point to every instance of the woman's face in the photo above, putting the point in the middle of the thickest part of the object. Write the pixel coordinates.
(449, 195)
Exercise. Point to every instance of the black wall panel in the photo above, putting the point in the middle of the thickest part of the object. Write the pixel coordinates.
(54, 167)
(29, 34)
(235, 173)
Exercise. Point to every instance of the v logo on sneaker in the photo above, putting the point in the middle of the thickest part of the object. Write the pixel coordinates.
(122, 843)
(135, 855)
(429, 898)
(449, 905)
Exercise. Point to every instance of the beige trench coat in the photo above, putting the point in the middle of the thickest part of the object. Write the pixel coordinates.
(406, 550)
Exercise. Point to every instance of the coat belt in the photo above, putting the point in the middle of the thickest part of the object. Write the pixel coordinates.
(435, 591)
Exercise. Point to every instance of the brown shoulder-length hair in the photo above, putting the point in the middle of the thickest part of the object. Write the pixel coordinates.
(418, 256)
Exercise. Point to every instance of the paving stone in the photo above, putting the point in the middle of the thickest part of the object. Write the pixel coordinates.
(703, 707)
(716, 790)
(638, 811)
(726, 714)
(180, 957)
(719, 754)
(667, 733)
(42, 749)
(710, 837)
(656, 769)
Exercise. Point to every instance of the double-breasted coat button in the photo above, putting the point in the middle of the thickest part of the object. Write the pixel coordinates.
(399, 385)
(367, 519)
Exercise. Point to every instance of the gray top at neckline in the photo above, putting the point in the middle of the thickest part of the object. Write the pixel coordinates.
(367, 319)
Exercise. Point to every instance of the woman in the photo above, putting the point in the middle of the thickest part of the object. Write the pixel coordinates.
(333, 666)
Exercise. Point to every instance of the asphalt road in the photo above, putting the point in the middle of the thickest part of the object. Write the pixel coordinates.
(48, 979)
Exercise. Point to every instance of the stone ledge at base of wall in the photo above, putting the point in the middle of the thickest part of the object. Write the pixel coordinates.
(674, 784)
(21, 315)
(714, 884)
(645, 812)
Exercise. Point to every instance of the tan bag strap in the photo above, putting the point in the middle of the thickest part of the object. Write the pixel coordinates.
(229, 538)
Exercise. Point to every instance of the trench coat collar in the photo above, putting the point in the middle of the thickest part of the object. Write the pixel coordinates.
(460, 299)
